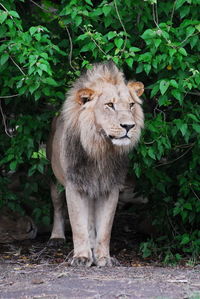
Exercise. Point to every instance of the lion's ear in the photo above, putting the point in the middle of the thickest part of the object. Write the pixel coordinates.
(84, 95)
(138, 87)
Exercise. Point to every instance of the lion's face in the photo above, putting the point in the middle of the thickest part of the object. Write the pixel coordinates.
(115, 115)
(113, 111)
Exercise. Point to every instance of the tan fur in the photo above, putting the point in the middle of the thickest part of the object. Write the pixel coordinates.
(100, 123)
(14, 227)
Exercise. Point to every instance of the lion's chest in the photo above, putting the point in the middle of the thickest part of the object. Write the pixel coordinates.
(95, 178)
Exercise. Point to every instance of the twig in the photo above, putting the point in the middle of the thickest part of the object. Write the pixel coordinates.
(187, 37)
(11, 96)
(71, 48)
(120, 20)
(6, 9)
(173, 9)
(194, 192)
(100, 49)
(156, 109)
(172, 161)
(17, 66)
(47, 10)
(4, 122)
(155, 19)
(156, 12)
(194, 93)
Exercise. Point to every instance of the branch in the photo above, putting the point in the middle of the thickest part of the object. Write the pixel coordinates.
(155, 19)
(90, 35)
(4, 122)
(173, 9)
(172, 161)
(47, 10)
(118, 15)
(6, 10)
(11, 96)
(17, 66)
(71, 48)
(194, 192)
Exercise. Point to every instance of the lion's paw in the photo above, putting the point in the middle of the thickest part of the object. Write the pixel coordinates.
(81, 261)
(56, 242)
(107, 262)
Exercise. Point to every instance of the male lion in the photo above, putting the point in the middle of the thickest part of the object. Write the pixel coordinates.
(100, 123)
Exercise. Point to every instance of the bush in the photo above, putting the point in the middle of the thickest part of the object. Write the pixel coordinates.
(156, 42)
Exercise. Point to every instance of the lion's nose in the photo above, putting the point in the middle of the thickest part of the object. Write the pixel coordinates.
(127, 127)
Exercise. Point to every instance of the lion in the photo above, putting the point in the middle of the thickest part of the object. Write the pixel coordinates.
(99, 124)
(14, 227)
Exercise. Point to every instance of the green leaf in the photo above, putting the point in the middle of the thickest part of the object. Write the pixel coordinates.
(118, 42)
(51, 81)
(89, 2)
(190, 30)
(129, 61)
(14, 14)
(140, 68)
(155, 90)
(196, 127)
(33, 30)
(134, 49)
(176, 93)
(188, 206)
(183, 128)
(179, 3)
(198, 27)
(33, 88)
(106, 9)
(184, 11)
(185, 239)
(192, 116)
(172, 52)
(151, 153)
(193, 41)
(182, 51)
(157, 42)
(43, 67)
(78, 20)
(111, 34)
(164, 86)
(137, 170)
(3, 16)
(4, 58)
(148, 34)
(147, 68)
(173, 83)
(13, 165)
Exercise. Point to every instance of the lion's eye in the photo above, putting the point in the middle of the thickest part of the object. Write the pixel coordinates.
(132, 104)
(111, 105)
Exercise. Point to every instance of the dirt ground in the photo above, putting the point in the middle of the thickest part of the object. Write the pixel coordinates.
(30, 269)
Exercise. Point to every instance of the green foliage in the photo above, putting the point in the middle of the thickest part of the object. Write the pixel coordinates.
(43, 48)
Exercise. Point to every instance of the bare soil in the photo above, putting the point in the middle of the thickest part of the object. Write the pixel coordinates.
(31, 269)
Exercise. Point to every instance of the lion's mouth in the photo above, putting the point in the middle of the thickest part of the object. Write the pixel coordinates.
(121, 141)
(123, 137)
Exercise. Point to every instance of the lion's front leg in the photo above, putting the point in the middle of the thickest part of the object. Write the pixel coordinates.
(104, 214)
(78, 208)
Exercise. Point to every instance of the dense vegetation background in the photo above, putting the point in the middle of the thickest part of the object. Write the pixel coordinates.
(43, 47)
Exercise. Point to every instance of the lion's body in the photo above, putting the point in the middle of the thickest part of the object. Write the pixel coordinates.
(100, 123)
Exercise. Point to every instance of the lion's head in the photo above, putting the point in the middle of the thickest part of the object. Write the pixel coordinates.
(107, 109)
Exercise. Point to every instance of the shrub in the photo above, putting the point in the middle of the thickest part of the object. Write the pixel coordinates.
(155, 42)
